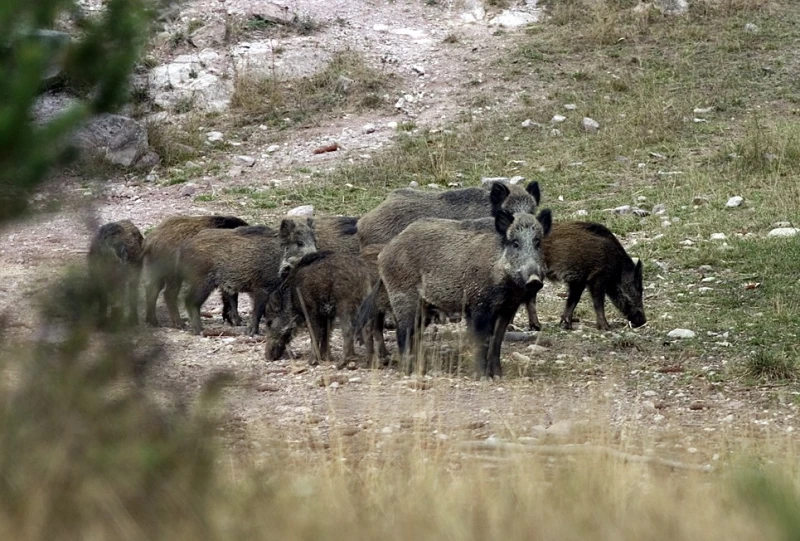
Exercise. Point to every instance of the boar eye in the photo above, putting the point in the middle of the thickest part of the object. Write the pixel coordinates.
(299, 243)
(515, 244)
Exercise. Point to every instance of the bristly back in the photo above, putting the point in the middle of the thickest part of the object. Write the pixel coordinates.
(227, 222)
(109, 231)
(347, 225)
(600, 230)
(256, 230)
(310, 259)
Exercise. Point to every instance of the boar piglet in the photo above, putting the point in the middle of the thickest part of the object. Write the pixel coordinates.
(115, 266)
(319, 289)
(463, 266)
(241, 260)
(584, 253)
(160, 250)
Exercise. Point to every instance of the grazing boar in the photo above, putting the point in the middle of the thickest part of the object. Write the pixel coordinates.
(370, 255)
(337, 234)
(160, 249)
(115, 266)
(404, 206)
(465, 266)
(584, 253)
(241, 260)
(320, 288)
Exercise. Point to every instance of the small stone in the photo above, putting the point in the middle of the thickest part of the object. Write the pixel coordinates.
(581, 212)
(681, 333)
(434, 186)
(782, 224)
(369, 128)
(700, 200)
(658, 418)
(590, 125)
(648, 405)
(704, 289)
(527, 123)
(235, 171)
(666, 223)
(555, 132)
(214, 136)
(649, 393)
(751, 28)
(659, 209)
(734, 201)
(413, 184)
(640, 212)
(570, 106)
(188, 189)
(558, 119)
(273, 148)
(702, 110)
(718, 236)
(245, 161)
(520, 358)
(391, 125)
(705, 268)
(489, 180)
(783, 232)
(418, 69)
(560, 429)
(536, 348)
(698, 405)
(268, 388)
(516, 179)
(303, 211)
(386, 430)
(624, 209)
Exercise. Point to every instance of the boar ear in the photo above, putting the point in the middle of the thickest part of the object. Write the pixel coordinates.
(310, 222)
(533, 189)
(502, 221)
(287, 226)
(545, 218)
(498, 195)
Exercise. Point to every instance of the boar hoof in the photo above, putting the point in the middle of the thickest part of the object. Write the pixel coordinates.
(566, 325)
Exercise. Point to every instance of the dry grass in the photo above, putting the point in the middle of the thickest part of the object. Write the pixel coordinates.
(347, 83)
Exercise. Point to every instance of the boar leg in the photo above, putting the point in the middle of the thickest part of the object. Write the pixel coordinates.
(154, 286)
(377, 332)
(348, 342)
(230, 309)
(406, 313)
(133, 295)
(575, 292)
(195, 297)
(500, 326)
(171, 298)
(533, 316)
(259, 301)
(598, 291)
(481, 329)
(317, 330)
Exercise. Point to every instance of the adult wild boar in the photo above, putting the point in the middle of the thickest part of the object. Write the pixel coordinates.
(464, 266)
(337, 234)
(160, 249)
(242, 260)
(321, 288)
(405, 206)
(584, 253)
(115, 266)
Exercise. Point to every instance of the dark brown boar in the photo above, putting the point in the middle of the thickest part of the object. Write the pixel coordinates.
(584, 253)
(160, 250)
(337, 234)
(241, 260)
(115, 266)
(462, 266)
(319, 289)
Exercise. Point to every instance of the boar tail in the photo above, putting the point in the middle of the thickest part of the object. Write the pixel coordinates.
(366, 313)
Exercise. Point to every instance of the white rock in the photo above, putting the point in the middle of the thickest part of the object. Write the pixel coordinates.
(418, 69)
(516, 179)
(718, 236)
(751, 28)
(194, 79)
(245, 161)
(659, 209)
(413, 184)
(302, 211)
(672, 7)
(649, 394)
(410, 32)
(702, 110)
(734, 201)
(489, 180)
(558, 119)
(536, 348)
(560, 429)
(514, 19)
(475, 11)
(590, 125)
(380, 27)
(581, 212)
(273, 148)
(648, 405)
(392, 125)
(681, 333)
(235, 171)
(624, 209)
(666, 223)
(782, 224)
(570, 106)
(784, 232)
(214, 136)
(188, 189)
(527, 123)
(369, 128)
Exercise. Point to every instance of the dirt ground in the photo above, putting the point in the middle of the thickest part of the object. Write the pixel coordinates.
(650, 400)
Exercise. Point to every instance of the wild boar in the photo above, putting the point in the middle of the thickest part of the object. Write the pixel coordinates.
(337, 234)
(160, 249)
(115, 267)
(242, 260)
(405, 206)
(463, 266)
(584, 253)
(319, 289)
